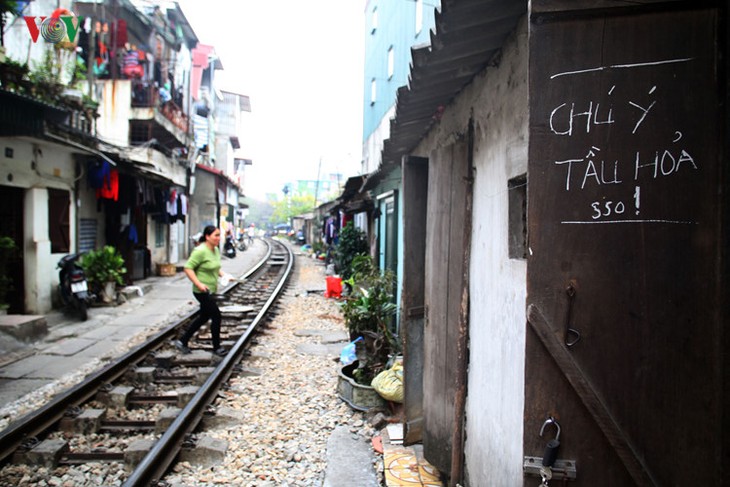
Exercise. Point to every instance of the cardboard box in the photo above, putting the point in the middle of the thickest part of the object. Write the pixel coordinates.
(166, 269)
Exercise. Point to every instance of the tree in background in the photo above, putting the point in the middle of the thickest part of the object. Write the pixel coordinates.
(259, 212)
(289, 207)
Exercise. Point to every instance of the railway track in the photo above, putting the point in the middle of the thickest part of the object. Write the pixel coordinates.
(146, 407)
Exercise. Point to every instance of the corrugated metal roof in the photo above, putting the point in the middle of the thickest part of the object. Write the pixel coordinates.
(468, 35)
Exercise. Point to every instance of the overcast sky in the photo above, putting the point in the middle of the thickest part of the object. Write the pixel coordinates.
(301, 63)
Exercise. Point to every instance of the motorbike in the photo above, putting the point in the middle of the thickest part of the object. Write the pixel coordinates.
(229, 249)
(242, 246)
(73, 287)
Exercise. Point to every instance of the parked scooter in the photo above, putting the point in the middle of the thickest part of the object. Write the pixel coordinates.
(242, 246)
(73, 287)
(229, 249)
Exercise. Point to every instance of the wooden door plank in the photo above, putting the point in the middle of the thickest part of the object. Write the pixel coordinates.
(552, 339)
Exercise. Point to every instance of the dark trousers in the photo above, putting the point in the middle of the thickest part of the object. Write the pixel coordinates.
(208, 311)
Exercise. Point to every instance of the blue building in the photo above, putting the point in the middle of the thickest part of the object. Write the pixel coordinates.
(392, 27)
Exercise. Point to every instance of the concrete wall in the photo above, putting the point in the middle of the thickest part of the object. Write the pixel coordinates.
(17, 39)
(202, 209)
(115, 110)
(373, 145)
(495, 402)
(36, 167)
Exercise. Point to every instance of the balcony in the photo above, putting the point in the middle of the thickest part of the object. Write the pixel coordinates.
(154, 115)
(132, 113)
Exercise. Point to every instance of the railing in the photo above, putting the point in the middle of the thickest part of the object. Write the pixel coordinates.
(147, 95)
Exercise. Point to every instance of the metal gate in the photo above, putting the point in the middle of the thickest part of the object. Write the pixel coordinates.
(625, 263)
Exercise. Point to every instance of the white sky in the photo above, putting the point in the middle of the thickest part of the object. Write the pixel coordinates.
(301, 63)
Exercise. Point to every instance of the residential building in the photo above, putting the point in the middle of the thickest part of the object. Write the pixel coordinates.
(392, 30)
(106, 153)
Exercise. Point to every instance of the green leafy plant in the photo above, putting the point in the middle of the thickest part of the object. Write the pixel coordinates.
(12, 74)
(318, 247)
(45, 77)
(102, 266)
(8, 252)
(368, 310)
(352, 243)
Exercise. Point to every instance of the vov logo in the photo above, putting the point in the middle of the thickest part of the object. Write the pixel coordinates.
(62, 25)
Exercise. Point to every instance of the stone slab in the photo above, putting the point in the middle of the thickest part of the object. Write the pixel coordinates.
(24, 327)
(349, 460)
(140, 319)
(28, 365)
(13, 389)
(100, 349)
(208, 451)
(321, 349)
(101, 333)
(68, 347)
(42, 367)
(236, 309)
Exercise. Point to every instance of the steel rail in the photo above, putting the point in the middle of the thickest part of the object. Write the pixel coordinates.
(43, 418)
(154, 465)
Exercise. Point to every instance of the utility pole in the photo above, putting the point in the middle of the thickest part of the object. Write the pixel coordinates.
(316, 187)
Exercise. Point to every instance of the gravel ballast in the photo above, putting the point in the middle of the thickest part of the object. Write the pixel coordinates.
(287, 408)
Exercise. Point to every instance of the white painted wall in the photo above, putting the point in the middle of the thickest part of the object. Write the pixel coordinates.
(495, 402)
(18, 41)
(373, 146)
(48, 166)
(115, 110)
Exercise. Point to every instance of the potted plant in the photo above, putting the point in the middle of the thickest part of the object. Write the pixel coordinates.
(8, 250)
(352, 243)
(104, 269)
(368, 311)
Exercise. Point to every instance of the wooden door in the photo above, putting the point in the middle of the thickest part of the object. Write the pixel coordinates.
(415, 189)
(11, 225)
(447, 189)
(626, 265)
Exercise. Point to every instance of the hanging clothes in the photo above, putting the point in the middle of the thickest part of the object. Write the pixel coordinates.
(98, 173)
(172, 206)
(133, 233)
(110, 191)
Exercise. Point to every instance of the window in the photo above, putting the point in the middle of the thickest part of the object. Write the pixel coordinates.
(419, 16)
(59, 223)
(87, 234)
(374, 20)
(517, 230)
(159, 235)
(391, 61)
(373, 91)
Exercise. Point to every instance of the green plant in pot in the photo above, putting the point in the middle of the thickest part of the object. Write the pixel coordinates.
(104, 269)
(352, 243)
(368, 312)
(8, 252)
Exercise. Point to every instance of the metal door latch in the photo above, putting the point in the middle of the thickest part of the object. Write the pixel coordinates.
(562, 469)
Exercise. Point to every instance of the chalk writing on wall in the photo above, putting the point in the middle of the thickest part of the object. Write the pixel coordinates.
(588, 169)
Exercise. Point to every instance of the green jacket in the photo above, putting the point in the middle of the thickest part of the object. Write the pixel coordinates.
(207, 264)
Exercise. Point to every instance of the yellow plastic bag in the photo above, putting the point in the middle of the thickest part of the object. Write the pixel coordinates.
(389, 383)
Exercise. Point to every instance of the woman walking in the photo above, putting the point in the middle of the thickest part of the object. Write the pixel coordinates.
(203, 269)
